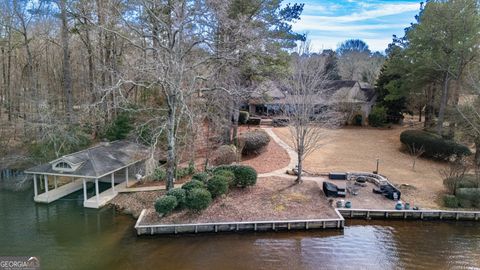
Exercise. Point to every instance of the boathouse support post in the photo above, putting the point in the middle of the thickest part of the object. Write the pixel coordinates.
(46, 185)
(84, 190)
(97, 193)
(126, 176)
(113, 182)
(35, 188)
(55, 181)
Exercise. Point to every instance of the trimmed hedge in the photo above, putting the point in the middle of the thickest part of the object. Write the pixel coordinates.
(434, 145)
(180, 195)
(244, 175)
(192, 184)
(165, 204)
(450, 201)
(218, 185)
(201, 176)
(243, 117)
(198, 199)
(468, 197)
(225, 154)
(229, 175)
(254, 141)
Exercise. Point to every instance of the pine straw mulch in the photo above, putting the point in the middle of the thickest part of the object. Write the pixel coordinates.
(271, 199)
(134, 202)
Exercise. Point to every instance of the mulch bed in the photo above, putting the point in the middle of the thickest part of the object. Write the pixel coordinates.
(271, 199)
(272, 158)
(134, 202)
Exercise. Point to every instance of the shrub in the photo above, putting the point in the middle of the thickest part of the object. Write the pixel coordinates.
(254, 141)
(120, 128)
(192, 184)
(180, 195)
(280, 122)
(434, 146)
(243, 117)
(198, 199)
(244, 175)
(165, 204)
(229, 175)
(450, 201)
(159, 174)
(378, 116)
(225, 154)
(218, 185)
(254, 121)
(182, 172)
(201, 176)
(468, 197)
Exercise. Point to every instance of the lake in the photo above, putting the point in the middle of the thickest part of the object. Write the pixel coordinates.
(64, 235)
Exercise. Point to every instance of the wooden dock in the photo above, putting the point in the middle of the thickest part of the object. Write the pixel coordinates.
(243, 226)
(409, 214)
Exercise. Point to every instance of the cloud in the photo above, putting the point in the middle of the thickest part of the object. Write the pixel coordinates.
(374, 21)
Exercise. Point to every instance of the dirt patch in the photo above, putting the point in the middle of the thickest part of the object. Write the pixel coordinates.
(356, 149)
(273, 158)
(134, 202)
(270, 199)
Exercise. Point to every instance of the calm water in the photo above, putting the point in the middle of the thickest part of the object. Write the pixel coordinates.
(64, 235)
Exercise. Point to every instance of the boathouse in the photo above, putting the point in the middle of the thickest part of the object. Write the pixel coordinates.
(106, 162)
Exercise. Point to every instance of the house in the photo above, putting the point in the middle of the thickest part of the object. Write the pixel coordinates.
(106, 162)
(355, 99)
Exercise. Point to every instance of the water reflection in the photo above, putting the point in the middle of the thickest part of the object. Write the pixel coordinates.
(67, 236)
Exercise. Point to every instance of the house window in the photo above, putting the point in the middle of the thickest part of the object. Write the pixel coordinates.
(63, 165)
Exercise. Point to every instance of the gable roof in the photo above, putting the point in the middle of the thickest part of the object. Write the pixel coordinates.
(99, 160)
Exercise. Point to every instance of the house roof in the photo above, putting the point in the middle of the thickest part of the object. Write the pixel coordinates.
(270, 92)
(97, 161)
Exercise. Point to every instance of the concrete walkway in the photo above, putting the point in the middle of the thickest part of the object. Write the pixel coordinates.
(291, 153)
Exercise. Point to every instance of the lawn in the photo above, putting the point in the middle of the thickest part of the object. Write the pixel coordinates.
(356, 149)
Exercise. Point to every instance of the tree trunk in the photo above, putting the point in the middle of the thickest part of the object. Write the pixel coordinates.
(236, 112)
(420, 114)
(67, 77)
(429, 107)
(171, 142)
(299, 166)
(443, 104)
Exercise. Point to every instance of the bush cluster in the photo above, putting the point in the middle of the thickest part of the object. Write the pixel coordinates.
(192, 184)
(254, 141)
(217, 185)
(434, 145)
(450, 201)
(229, 175)
(198, 199)
(244, 175)
(243, 117)
(165, 204)
(201, 176)
(181, 196)
(377, 117)
(468, 197)
(225, 154)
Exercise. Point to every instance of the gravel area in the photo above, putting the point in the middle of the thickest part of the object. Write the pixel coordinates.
(271, 199)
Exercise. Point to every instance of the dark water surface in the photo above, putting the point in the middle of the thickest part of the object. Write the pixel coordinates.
(64, 235)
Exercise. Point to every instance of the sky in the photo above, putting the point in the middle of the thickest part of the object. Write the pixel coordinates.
(329, 22)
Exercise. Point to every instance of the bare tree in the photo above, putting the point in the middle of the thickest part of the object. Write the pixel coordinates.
(415, 153)
(307, 105)
(453, 174)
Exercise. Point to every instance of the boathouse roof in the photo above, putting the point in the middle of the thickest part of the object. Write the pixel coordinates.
(95, 162)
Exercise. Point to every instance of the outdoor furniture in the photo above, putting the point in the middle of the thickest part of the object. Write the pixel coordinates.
(330, 190)
(337, 176)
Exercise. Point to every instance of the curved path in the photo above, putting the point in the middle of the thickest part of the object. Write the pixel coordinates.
(291, 154)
